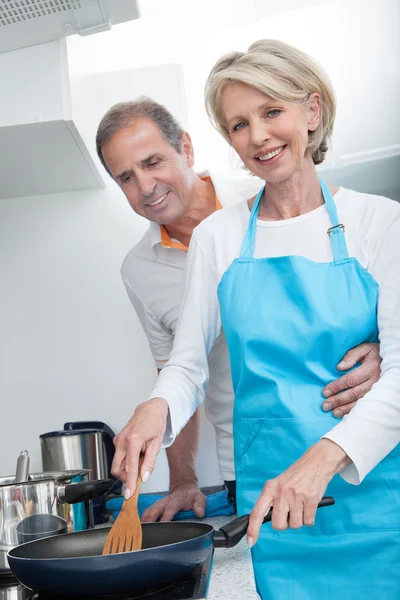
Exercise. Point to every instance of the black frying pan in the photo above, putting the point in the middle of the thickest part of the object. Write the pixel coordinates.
(72, 565)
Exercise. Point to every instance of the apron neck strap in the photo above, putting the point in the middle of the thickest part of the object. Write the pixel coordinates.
(336, 231)
(247, 250)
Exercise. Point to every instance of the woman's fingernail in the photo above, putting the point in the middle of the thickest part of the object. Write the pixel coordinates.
(341, 365)
(327, 393)
(338, 413)
(127, 494)
(250, 541)
(145, 477)
(326, 406)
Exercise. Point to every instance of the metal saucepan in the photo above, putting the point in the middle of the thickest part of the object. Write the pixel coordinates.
(64, 494)
(72, 564)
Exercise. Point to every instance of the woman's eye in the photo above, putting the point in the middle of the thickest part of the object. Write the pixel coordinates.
(238, 126)
(274, 113)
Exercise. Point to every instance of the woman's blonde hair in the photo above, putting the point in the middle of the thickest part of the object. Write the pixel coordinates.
(283, 73)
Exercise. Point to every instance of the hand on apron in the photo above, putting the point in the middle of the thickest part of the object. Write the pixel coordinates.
(294, 495)
(343, 393)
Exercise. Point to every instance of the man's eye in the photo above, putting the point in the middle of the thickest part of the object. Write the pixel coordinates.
(154, 163)
(126, 179)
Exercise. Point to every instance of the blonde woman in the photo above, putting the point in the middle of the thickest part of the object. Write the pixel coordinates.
(296, 277)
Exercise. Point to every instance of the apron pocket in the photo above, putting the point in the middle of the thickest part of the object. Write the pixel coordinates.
(267, 447)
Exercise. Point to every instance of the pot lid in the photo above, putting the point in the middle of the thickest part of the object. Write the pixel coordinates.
(56, 476)
(63, 432)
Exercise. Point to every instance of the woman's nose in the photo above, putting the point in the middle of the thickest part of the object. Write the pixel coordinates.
(259, 132)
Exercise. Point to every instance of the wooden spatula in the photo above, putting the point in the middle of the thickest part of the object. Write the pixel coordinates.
(126, 533)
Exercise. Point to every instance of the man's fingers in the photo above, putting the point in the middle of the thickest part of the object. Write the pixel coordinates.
(355, 355)
(347, 381)
(154, 512)
(350, 396)
(172, 508)
(344, 410)
(199, 506)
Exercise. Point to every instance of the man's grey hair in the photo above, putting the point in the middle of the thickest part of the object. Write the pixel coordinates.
(121, 115)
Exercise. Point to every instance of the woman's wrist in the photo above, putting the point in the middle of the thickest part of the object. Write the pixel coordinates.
(331, 456)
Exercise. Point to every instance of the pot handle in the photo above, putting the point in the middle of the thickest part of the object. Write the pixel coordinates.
(230, 534)
(85, 490)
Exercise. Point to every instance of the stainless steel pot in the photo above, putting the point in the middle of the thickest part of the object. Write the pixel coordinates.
(65, 494)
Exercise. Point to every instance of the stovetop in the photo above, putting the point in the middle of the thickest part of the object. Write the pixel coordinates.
(192, 587)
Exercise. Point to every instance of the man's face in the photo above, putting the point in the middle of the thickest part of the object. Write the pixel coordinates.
(154, 177)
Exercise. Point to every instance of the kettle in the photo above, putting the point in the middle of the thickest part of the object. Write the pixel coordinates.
(82, 445)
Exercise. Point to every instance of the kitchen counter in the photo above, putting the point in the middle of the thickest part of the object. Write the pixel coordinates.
(232, 573)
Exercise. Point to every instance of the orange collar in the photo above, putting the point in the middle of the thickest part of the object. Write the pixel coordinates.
(167, 242)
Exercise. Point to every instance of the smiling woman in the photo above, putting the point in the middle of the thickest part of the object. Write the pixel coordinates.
(293, 278)
(304, 80)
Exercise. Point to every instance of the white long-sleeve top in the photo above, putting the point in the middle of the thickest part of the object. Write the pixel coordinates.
(372, 229)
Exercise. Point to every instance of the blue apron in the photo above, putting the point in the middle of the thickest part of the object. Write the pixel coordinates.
(288, 322)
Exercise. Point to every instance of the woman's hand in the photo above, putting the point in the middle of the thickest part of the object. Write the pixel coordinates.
(295, 494)
(144, 434)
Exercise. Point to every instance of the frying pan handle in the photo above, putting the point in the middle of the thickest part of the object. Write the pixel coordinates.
(77, 492)
(230, 534)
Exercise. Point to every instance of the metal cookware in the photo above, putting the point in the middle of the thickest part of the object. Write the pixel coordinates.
(22, 467)
(82, 445)
(62, 494)
(37, 527)
(72, 564)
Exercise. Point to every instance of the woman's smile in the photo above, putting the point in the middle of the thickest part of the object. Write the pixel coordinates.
(272, 156)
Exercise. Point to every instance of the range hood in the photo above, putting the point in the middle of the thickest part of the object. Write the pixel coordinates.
(27, 22)
(42, 148)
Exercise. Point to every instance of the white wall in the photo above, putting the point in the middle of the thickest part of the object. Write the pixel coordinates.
(357, 42)
(71, 346)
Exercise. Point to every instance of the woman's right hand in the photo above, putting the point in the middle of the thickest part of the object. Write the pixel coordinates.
(143, 434)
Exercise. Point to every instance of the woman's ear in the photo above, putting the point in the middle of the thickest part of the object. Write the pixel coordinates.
(314, 111)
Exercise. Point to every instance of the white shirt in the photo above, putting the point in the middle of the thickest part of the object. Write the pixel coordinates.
(372, 429)
(154, 279)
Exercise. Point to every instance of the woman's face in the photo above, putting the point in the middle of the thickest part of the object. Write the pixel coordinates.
(270, 136)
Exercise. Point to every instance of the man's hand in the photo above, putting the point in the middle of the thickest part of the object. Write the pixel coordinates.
(184, 496)
(344, 393)
(295, 494)
(184, 491)
(143, 433)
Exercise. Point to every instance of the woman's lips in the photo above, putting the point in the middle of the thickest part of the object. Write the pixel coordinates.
(273, 156)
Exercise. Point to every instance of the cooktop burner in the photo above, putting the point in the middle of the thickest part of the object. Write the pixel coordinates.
(193, 587)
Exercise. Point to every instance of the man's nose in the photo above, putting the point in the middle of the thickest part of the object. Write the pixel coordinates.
(147, 183)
